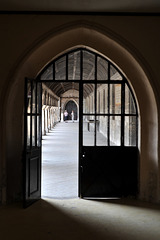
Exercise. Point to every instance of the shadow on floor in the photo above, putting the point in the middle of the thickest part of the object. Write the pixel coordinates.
(79, 219)
(42, 220)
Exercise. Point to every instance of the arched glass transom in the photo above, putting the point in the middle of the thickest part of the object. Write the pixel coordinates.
(109, 111)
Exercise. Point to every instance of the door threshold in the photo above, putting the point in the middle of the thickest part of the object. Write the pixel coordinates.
(100, 198)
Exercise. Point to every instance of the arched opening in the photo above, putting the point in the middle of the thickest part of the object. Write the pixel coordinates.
(71, 106)
(135, 73)
(108, 117)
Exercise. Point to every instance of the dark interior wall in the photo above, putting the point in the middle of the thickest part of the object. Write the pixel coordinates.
(22, 35)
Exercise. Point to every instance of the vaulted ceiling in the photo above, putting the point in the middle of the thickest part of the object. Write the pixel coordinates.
(64, 73)
(81, 5)
(62, 87)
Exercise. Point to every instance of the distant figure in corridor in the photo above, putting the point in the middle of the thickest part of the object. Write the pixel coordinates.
(72, 116)
(65, 115)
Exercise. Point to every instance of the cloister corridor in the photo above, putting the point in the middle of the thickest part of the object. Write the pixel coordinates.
(60, 161)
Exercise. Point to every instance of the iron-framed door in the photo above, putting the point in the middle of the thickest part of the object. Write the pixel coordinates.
(106, 170)
(32, 141)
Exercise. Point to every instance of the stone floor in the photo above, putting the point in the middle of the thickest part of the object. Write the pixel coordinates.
(60, 161)
(61, 215)
(78, 219)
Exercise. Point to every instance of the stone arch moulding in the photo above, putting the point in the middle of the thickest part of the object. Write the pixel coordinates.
(107, 45)
(70, 99)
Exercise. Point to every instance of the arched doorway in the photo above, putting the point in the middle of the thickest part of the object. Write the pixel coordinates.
(124, 56)
(108, 126)
(71, 106)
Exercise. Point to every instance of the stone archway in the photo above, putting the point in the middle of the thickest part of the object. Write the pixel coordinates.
(104, 43)
(69, 106)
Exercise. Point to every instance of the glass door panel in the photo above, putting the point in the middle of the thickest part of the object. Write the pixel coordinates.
(115, 98)
(88, 66)
(102, 131)
(39, 98)
(88, 130)
(102, 69)
(102, 99)
(130, 131)
(114, 74)
(33, 97)
(48, 73)
(60, 69)
(33, 131)
(130, 107)
(28, 131)
(29, 97)
(88, 98)
(38, 131)
(74, 66)
(115, 131)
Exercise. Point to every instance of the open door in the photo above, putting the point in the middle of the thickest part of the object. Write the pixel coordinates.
(32, 141)
(108, 125)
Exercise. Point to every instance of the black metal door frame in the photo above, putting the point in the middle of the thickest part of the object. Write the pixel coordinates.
(81, 81)
(32, 142)
(117, 164)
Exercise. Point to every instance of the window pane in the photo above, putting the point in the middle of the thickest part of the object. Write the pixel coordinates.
(115, 98)
(33, 131)
(102, 98)
(74, 66)
(29, 97)
(48, 73)
(101, 130)
(39, 96)
(114, 74)
(34, 98)
(88, 66)
(129, 102)
(60, 69)
(88, 98)
(38, 131)
(102, 69)
(28, 130)
(88, 130)
(115, 131)
(130, 131)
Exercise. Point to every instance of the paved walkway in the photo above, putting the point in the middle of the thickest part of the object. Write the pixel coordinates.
(60, 161)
